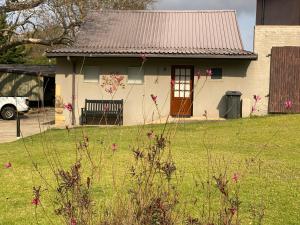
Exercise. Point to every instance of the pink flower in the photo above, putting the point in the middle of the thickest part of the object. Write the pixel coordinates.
(105, 107)
(35, 201)
(114, 147)
(208, 72)
(288, 104)
(235, 177)
(119, 79)
(198, 74)
(172, 83)
(7, 165)
(114, 88)
(73, 221)
(109, 90)
(233, 210)
(68, 107)
(144, 57)
(154, 98)
(256, 98)
(253, 109)
(150, 134)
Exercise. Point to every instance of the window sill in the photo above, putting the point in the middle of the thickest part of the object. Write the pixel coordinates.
(91, 82)
(216, 80)
(135, 83)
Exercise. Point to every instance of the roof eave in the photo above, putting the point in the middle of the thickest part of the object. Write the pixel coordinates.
(252, 56)
(34, 70)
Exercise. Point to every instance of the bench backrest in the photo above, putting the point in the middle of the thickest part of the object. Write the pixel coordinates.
(104, 105)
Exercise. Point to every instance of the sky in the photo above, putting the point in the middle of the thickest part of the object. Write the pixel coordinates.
(246, 11)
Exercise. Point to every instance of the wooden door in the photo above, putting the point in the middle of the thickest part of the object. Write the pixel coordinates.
(284, 80)
(182, 91)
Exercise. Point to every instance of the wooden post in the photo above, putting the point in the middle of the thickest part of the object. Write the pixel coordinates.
(18, 126)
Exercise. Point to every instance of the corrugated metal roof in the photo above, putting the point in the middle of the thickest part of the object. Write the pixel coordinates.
(129, 32)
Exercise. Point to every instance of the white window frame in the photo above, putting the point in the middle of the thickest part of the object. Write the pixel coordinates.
(97, 77)
(141, 74)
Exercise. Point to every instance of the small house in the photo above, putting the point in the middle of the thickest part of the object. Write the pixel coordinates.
(160, 63)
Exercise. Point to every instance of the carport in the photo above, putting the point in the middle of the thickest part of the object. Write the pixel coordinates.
(37, 82)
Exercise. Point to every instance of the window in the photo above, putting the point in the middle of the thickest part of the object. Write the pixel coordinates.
(182, 86)
(91, 74)
(135, 75)
(216, 73)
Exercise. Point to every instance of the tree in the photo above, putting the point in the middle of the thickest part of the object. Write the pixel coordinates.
(52, 22)
(11, 55)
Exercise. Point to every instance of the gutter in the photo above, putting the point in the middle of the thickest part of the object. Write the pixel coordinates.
(252, 56)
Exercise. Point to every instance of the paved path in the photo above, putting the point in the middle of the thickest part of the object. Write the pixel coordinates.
(29, 125)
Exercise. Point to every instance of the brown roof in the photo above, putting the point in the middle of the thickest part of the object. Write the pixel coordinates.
(158, 34)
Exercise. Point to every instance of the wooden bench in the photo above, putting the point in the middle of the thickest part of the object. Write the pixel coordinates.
(98, 112)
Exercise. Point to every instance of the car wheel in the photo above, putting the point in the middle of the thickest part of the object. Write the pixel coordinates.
(8, 113)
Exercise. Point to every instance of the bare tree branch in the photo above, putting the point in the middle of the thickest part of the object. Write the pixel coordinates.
(52, 22)
(58, 41)
(20, 6)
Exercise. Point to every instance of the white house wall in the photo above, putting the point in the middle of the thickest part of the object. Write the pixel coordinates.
(139, 107)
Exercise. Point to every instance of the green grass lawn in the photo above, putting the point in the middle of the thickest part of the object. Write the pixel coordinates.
(272, 178)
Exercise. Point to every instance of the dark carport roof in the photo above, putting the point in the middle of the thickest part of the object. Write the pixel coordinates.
(43, 70)
(132, 33)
